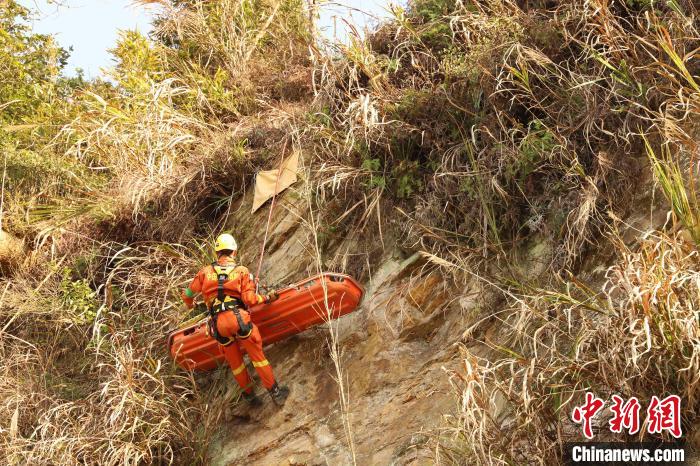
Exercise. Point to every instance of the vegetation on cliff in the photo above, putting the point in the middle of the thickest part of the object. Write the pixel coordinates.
(473, 132)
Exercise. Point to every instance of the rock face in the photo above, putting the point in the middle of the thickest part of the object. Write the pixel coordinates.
(392, 353)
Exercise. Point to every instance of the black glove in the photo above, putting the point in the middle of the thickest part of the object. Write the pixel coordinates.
(271, 297)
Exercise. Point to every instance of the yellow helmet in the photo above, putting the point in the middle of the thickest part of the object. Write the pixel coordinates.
(225, 242)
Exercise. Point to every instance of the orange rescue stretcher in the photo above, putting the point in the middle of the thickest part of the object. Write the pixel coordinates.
(300, 306)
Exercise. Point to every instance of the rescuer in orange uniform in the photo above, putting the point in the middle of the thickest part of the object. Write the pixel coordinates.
(228, 290)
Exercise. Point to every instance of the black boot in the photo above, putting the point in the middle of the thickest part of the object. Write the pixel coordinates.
(279, 394)
(252, 399)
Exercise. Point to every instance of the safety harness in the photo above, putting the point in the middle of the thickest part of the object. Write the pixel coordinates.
(222, 303)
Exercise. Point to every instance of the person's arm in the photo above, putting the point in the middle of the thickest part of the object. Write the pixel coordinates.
(189, 293)
(248, 294)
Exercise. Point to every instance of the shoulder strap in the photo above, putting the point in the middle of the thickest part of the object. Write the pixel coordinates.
(221, 277)
(225, 273)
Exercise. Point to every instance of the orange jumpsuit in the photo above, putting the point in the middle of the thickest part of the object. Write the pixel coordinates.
(242, 286)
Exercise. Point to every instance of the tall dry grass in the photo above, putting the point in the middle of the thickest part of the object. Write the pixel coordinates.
(635, 335)
(493, 123)
(79, 386)
(87, 378)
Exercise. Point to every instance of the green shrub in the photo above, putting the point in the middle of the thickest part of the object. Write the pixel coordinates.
(435, 33)
(374, 166)
(535, 146)
(407, 179)
(29, 172)
(78, 298)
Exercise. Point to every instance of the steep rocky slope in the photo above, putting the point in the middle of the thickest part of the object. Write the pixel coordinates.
(393, 354)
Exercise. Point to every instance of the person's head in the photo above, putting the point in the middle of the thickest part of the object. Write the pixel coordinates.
(225, 245)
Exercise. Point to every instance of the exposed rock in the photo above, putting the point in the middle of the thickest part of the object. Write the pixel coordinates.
(393, 354)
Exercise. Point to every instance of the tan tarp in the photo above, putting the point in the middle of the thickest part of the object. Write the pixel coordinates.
(266, 180)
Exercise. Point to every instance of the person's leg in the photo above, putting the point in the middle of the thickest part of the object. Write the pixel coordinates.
(233, 356)
(253, 346)
(227, 326)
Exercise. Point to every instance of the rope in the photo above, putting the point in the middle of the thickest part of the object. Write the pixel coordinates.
(269, 219)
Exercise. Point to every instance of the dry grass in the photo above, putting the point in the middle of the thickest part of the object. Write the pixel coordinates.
(489, 123)
(86, 374)
(637, 335)
(84, 380)
(310, 221)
